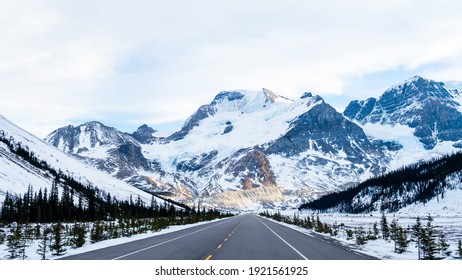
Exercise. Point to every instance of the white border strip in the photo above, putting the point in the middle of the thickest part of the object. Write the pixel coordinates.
(292, 247)
(165, 242)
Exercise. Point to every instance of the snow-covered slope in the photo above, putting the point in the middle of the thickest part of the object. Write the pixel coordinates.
(430, 186)
(16, 174)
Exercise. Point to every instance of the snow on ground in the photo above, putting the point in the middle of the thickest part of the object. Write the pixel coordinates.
(31, 250)
(450, 224)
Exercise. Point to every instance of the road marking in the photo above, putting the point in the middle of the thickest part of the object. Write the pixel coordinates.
(165, 242)
(220, 245)
(292, 247)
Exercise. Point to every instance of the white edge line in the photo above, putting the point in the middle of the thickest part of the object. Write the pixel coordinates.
(288, 244)
(162, 243)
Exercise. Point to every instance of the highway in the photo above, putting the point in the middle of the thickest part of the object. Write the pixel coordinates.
(244, 237)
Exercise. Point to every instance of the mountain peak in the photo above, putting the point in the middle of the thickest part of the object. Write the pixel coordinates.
(270, 95)
(88, 135)
(306, 95)
(418, 86)
(144, 134)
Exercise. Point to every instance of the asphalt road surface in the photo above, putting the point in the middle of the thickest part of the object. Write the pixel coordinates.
(245, 237)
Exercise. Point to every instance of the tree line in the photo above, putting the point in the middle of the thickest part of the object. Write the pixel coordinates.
(416, 183)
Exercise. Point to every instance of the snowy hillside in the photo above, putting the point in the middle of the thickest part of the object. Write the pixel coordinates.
(431, 186)
(16, 174)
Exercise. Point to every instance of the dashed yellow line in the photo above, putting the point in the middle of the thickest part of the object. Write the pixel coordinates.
(226, 239)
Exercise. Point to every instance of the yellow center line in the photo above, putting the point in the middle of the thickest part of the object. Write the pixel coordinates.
(226, 239)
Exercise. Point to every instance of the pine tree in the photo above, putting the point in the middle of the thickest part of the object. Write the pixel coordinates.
(459, 249)
(401, 242)
(349, 233)
(417, 232)
(2, 238)
(319, 225)
(78, 233)
(384, 227)
(44, 244)
(361, 236)
(429, 245)
(96, 233)
(443, 245)
(394, 231)
(375, 229)
(57, 246)
(13, 243)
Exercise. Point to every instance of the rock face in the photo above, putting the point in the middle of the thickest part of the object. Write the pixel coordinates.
(325, 130)
(422, 104)
(106, 148)
(144, 134)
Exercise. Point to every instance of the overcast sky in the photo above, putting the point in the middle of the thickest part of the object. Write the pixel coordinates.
(126, 63)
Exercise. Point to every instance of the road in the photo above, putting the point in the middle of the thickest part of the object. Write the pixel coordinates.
(245, 237)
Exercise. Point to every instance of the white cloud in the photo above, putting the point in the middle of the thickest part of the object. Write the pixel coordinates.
(159, 60)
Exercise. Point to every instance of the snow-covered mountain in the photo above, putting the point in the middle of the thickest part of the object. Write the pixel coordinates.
(17, 173)
(425, 106)
(265, 149)
(254, 142)
(106, 148)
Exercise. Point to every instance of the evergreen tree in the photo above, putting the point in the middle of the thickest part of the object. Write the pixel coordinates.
(384, 227)
(429, 245)
(96, 233)
(14, 243)
(349, 233)
(417, 232)
(57, 246)
(78, 235)
(361, 236)
(459, 248)
(2, 238)
(402, 241)
(319, 224)
(375, 230)
(443, 245)
(394, 231)
(44, 244)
